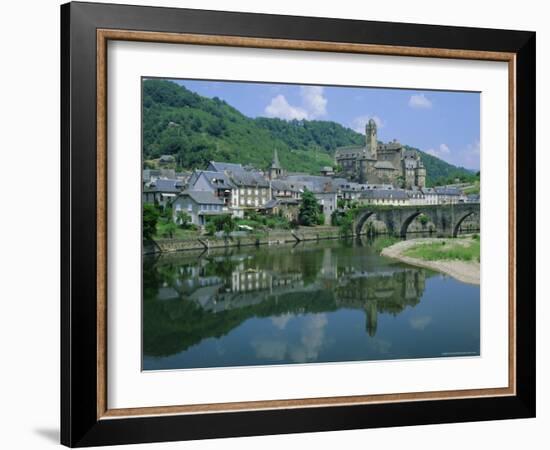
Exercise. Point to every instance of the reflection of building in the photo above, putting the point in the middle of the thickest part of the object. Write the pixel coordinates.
(212, 295)
(388, 292)
(246, 284)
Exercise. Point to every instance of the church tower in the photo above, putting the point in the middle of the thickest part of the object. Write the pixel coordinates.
(371, 138)
(275, 170)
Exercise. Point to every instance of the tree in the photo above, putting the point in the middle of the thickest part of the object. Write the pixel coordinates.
(308, 214)
(223, 223)
(150, 219)
(346, 224)
(183, 219)
(169, 229)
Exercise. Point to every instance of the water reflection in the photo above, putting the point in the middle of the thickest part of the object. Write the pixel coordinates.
(276, 304)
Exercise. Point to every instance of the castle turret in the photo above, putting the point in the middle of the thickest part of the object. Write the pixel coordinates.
(371, 138)
(420, 175)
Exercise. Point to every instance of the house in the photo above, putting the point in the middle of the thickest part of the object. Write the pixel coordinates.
(251, 191)
(166, 159)
(393, 197)
(282, 189)
(430, 196)
(416, 197)
(325, 190)
(448, 195)
(472, 198)
(284, 207)
(327, 171)
(150, 175)
(162, 191)
(198, 205)
(218, 183)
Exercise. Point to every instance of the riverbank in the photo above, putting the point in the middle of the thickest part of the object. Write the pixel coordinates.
(467, 271)
(302, 234)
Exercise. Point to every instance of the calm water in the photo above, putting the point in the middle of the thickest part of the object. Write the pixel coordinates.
(322, 302)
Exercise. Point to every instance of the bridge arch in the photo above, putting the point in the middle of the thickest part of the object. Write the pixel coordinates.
(362, 219)
(459, 222)
(405, 224)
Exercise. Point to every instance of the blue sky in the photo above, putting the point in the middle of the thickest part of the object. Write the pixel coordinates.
(442, 123)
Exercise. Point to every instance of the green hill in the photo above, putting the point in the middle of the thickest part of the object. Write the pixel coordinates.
(197, 129)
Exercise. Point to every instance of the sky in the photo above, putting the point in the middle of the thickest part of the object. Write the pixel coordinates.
(445, 124)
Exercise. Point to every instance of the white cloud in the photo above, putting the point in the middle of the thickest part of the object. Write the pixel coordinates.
(420, 101)
(443, 152)
(358, 124)
(270, 349)
(280, 108)
(314, 101)
(314, 105)
(420, 323)
(313, 334)
(466, 157)
(471, 155)
(281, 321)
(306, 349)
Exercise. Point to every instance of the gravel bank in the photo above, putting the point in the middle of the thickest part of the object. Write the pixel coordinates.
(465, 271)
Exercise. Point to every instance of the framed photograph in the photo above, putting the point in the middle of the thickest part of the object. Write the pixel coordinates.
(276, 224)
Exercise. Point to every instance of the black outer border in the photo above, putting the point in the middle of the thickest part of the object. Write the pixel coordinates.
(79, 425)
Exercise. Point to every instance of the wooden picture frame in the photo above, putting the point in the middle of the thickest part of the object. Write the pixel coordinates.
(85, 417)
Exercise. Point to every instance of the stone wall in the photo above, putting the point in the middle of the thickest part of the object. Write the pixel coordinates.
(273, 238)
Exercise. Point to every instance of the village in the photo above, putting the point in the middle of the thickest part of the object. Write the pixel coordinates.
(237, 190)
(232, 197)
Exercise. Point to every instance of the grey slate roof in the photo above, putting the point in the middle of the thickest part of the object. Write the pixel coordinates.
(447, 191)
(349, 150)
(281, 185)
(223, 166)
(166, 185)
(249, 179)
(203, 197)
(314, 183)
(167, 158)
(277, 201)
(218, 180)
(270, 204)
(390, 194)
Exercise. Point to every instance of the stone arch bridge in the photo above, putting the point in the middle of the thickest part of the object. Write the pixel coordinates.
(446, 218)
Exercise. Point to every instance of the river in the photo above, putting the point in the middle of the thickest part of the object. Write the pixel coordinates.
(328, 301)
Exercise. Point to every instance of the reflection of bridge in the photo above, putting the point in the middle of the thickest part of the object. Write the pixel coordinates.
(446, 218)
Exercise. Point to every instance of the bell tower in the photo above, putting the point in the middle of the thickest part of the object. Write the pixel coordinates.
(371, 138)
(275, 170)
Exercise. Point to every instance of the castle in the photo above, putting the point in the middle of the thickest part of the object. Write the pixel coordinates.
(377, 163)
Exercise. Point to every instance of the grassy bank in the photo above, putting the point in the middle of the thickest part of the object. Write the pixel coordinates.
(458, 258)
(384, 241)
(447, 249)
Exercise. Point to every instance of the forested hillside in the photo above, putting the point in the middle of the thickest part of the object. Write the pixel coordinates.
(196, 129)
